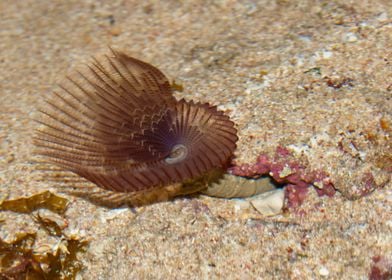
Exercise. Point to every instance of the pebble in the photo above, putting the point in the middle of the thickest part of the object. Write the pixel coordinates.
(350, 37)
(383, 17)
(323, 271)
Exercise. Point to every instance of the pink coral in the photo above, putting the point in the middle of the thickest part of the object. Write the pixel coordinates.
(295, 195)
(369, 184)
(286, 170)
(381, 268)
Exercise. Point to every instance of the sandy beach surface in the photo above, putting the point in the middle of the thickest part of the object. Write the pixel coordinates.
(314, 77)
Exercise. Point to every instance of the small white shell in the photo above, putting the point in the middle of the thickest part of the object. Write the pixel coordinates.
(269, 203)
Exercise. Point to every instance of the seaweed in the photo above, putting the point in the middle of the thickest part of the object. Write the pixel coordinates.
(44, 199)
(18, 259)
(24, 258)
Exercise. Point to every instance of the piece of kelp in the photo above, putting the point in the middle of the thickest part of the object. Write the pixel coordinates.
(29, 204)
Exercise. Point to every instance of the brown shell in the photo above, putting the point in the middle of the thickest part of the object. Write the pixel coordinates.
(116, 123)
(231, 186)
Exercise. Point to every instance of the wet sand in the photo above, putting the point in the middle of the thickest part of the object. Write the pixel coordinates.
(311, 76)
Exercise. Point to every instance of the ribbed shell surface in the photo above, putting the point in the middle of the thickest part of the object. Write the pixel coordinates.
(115, 122)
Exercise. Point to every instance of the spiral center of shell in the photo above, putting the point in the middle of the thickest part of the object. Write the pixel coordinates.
(177, 154)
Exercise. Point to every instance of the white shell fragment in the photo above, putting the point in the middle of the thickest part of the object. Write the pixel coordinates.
(323, 271)
(269, 203)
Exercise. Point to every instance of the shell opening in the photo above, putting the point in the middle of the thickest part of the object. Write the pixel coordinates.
(177, 154)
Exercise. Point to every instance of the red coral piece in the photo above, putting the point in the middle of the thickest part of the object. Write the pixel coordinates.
(295, 195)
(381, 269)
(287, 170)
(323, 184)
(328, 189)
(369, 184)
(282, 152)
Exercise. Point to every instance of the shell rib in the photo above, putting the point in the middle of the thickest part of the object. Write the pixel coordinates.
(116, 123)
(231, 186)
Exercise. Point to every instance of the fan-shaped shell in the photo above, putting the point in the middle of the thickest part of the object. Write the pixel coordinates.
(116, 123)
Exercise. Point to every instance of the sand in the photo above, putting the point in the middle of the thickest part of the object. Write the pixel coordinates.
(312, 76)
